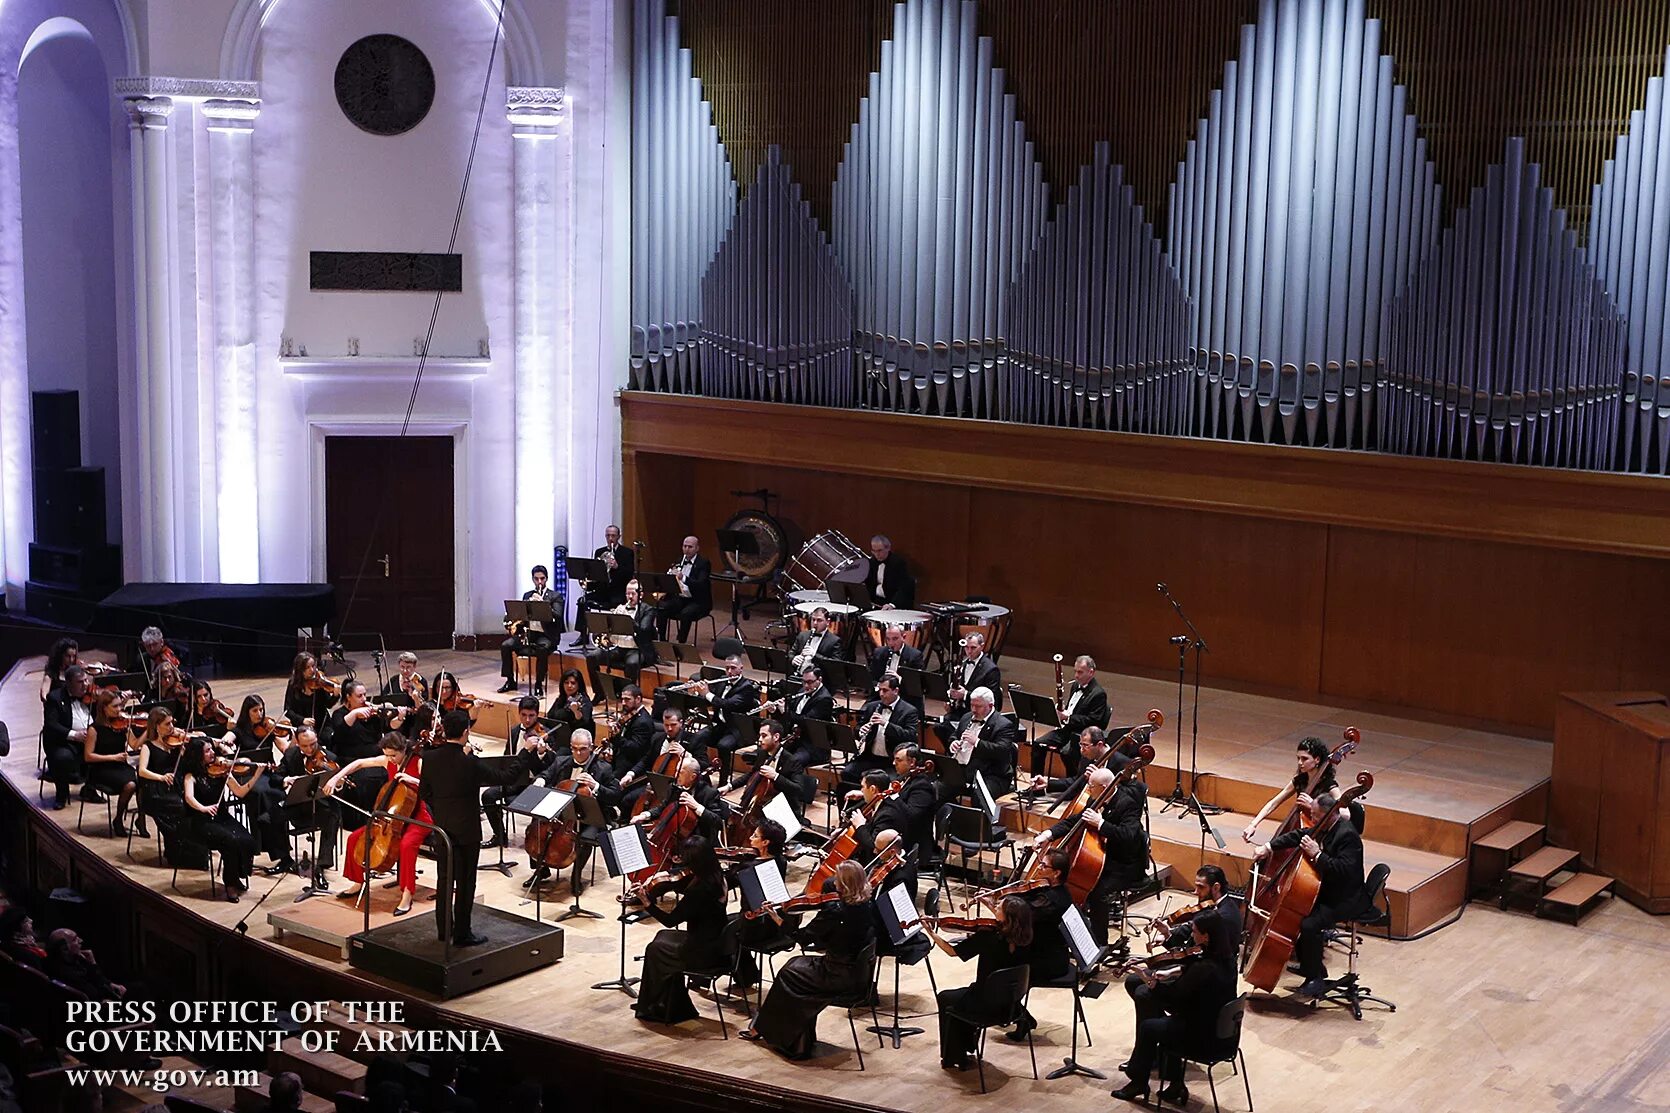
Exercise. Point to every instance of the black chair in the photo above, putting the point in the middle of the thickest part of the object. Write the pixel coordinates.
(1001, 999)
(1348, 936)
(864, 998)
(707, 977)
(109, 811)
(910, 956)
(183, 846)
(971, 832)
(1226, 1049)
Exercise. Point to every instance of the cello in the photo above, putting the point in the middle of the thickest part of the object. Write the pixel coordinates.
(554, 843)
(1137, 736)
(1086, 854)
(400, 799)
(676, 823)
(1285, 899)
(756, 794)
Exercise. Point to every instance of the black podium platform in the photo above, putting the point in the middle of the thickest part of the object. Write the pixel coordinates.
(407, 952)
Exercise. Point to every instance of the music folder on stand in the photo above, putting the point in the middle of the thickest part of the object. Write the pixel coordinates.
(625, 849)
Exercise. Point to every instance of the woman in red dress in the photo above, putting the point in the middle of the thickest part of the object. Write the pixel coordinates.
(399, 768)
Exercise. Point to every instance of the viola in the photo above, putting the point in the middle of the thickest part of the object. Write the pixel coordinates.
(320, 682)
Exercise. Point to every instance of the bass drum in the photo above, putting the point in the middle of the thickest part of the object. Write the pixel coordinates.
(773, 541)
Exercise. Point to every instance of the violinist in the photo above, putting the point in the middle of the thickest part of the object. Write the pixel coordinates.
(452, 783)
(1049, 959)
(208, 796)
(357, 730)
(159, 761)
(694, 792)
(1211, 891)
(1118, 824)
(572, 706)
(527, 743)
(877, 808)
(170, 688)
(844, 930)
(745, 936)
(407, 687)
(310, 694)
(105, 753)
(399, 761)
(1181, 1012)
(307, 757)
(265, 802)
(64, 653)
(257, 734)
(885, 723)
(1336, 850)
(633, 737)
(732, 697)
(579, 763)
(67, 719)
(154, 652)
(1314, 776)
(1007, 943)
(535, 639)
(663, 996)
(208, 715)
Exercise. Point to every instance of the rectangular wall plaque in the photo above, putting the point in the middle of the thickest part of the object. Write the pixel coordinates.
(385, 270)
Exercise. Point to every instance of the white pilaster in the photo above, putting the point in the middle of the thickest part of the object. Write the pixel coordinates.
(158, 430)
(538, 122)
(231, 125)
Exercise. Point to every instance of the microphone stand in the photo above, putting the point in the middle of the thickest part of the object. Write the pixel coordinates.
(1188, 801)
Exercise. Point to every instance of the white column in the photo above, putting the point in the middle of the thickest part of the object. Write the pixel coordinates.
(231, 125)
(536, 119)
(158, 429)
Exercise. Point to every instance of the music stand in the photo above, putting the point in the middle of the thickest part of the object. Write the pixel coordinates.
(896, 910)
(498, 763)
(591, 815)
(668, 651)
(852, 593)
(539, 802)
(912, 682)
(759, 658)
(616, 625)
(589, 569)
(609, 686)
(307, 790)
(1084, 953)
(738, 543)
(625, 850)
(777, 661)
(543, 612)
(658, 583)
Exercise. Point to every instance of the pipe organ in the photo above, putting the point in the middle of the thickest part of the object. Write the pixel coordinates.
(1505, 346)
(937, 204)
(1299, 208)
(1098, 327)
(1629, 241)
(683, 195)
(776, 311)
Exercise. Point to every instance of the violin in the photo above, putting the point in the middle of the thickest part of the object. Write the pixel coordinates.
(1182, 915)
(648, 892)
(223, 764)
(318, 762)
(320, 682)
(793, 904)
(269, 726)
(1164, 958)
(1014, 888)
(969, 924)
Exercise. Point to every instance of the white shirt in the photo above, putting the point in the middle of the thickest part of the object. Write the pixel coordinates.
(878, 744)
(684, 569)
(81, 716)
(1072, 701)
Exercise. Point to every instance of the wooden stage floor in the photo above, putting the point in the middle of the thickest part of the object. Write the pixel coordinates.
(1495, 1011)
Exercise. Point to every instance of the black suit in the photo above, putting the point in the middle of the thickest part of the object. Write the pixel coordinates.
(1341, 896)
(686, 609)
(631, 660)
(634, 745)
(611, 591)
(731, 701)
(561, 768)
(1091, 710)
(909, 658)
(493, 800)
(994, 751)
(875, 750)
(789, 771)
(714, 809)
(63, 756)
(530, 640)
(451, 785)
(1125, 847)
(918, 803)
(896, 585)
(828, 645)
(802, 707)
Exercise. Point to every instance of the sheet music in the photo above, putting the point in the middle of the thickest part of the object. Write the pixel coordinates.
(1078, 935)
(771, 881)
(986, 800)
(778, 808)
(553, 805)
(630, 852)
(905, 909)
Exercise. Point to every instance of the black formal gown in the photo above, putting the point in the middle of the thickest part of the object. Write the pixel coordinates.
(663, 997)
(957, 1035)
(846, 934)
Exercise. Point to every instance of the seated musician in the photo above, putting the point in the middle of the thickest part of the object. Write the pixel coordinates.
(1087, 706)
(396, 766)
(844, 931)
(1314, 775)
(67, 721)
(1091, 752)
(780, 766)
(745, 937)
(208, 798)
(309, 694)
(160, 754)
(667, 740)
(813, 701)
(696, 792)
(985, 742)
(172, 689)
(1337, 854)
(534, 639)
(884, 724)
(886, 577)
(694, 599)
(894, 654)
(630, 657)
(104, 756)
(663, 995)
(975, 670)
(633, 738)
(1006, 944)
(582, 764)
(918, 799)
(527, 744)
(357, 730)
(154, 652)
(572, 706)
(407, 687)
(1118, 826)
(1211, 891)
(871, 816)
(1181, 1014)
(732, 697)
(64, 653)
(619, 564)
(305, 757)
(817, 641)
(1049, 961)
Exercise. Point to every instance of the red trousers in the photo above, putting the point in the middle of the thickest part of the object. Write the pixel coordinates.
(410, 839)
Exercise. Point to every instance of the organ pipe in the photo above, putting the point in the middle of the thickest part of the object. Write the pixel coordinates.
(1301, 204)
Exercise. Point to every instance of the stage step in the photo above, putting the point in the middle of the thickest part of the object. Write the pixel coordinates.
(322, 1072)
(1573, 900)
(1493, 853)
(1529, 878)
(1511, 836)
(253, 1099)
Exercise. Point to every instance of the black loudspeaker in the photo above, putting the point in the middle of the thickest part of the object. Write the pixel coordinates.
(57, 428)
(69, 507)
(58, 606)
(92, 570)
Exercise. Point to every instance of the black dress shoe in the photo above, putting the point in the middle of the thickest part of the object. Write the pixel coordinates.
(507, 686)
(494, 841)
(1134, 1090)
(1175, 1094)
(474, 939)
(118, 829)
(540, 875)
(1313, 988)
(1022, 1030)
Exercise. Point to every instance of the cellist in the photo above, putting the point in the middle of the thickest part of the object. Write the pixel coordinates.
(1118, 824)
(698, 794)
(1333, 846)
(399, 766)
(579, 763)
(782, 768)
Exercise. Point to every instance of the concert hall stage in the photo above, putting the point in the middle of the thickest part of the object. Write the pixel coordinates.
(1496, 1010)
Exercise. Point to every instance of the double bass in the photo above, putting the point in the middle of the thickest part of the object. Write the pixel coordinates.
(1282, 859)
(1086, 854)
(1284, 899)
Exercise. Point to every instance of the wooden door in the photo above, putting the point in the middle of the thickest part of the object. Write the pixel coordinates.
(388, 538)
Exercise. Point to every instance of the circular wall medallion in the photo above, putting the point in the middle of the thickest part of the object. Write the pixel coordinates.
(384, 84)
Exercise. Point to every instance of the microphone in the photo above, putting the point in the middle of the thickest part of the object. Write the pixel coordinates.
(1180, 639)
(1161, 588)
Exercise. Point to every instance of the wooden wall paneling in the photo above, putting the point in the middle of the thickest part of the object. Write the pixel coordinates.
(1577, 776)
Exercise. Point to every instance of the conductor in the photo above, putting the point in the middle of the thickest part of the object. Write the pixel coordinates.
(452, 782)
